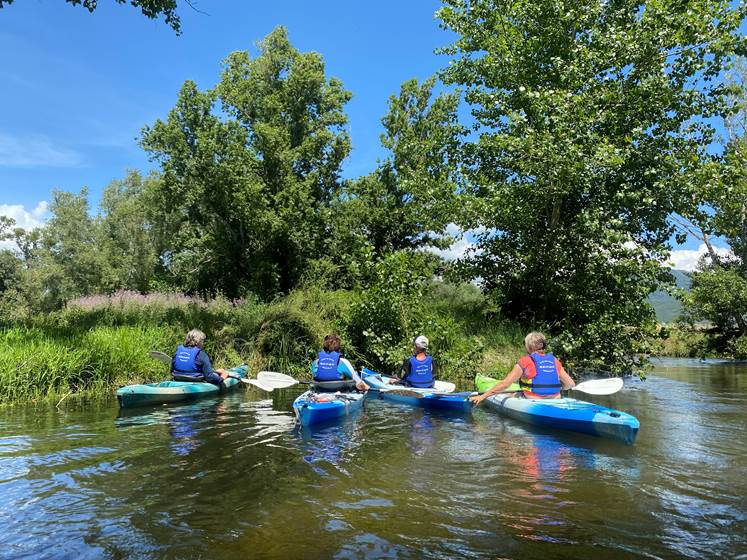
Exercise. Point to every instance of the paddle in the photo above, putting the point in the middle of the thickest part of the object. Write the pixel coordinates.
(593, 387)
(281, 380)
(165, 358)
(600, 386)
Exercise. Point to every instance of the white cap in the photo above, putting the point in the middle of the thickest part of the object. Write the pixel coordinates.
(421, 342)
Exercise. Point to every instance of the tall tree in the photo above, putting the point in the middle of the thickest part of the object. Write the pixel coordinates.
(719, 286)
(412, 196)
(127, 234)
(243, 192)
(589, 118)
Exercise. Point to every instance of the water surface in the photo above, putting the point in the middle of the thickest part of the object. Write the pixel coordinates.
(234, 477)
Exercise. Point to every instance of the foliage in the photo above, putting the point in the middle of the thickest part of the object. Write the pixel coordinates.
(719, 295)
(246, 191)
(385, 316)
(127, 234)
(412, 196)
(719, 292)
(590, 118)
(150, 8)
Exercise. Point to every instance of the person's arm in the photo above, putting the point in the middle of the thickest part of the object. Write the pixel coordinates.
(350, 371)
(404, 371)
(512, 377)
(566, 379)
(207, 366)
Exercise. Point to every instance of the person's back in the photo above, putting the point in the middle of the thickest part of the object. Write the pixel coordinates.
(191, 362)
(419, 370)
(540, 375)
(333, 372)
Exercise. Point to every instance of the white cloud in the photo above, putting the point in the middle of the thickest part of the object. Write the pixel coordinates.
(35, 151)
(25, 219)
(463, 242)
(687, 259)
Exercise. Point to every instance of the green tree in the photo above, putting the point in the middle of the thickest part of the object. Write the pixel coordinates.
(69, 262)
(589, 119)
(244, 193)
(408, 201)
(150, 8)
(127, 234)
(719, 290)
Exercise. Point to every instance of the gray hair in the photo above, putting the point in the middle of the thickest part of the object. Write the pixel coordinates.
(535, 341)
(194, 338)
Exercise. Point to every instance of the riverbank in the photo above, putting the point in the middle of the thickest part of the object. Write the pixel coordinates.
(680, 341)
(99, 343)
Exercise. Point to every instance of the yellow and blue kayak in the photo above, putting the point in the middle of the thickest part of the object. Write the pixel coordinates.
(565, 414)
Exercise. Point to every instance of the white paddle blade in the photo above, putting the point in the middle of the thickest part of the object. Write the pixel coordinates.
(266, 376)
(278, 383)
(160, 356)
(444, 386)
(257, 384)
(600, 386)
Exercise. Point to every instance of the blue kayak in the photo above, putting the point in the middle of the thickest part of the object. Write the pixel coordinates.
(316, 407)
(568, 414)
(150, 394)
(434, 398)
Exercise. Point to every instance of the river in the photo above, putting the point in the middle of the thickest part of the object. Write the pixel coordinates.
(233, 477)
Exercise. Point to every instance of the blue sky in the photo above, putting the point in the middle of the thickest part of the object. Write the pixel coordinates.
(76, 88)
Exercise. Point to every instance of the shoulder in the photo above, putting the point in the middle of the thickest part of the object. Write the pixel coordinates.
(525, 361)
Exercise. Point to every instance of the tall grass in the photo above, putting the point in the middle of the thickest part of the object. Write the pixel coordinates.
(101, 342)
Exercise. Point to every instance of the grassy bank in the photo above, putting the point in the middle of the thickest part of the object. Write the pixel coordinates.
(99, 343)
(701, 342)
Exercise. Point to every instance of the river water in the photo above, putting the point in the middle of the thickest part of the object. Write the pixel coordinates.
(233, 477)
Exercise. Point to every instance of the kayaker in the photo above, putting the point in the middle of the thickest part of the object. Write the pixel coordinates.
(331, 366)
(540, 375)
(191, 362)
(419, 370)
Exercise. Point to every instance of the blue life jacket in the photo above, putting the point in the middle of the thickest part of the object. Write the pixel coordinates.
(546, 381)
(185, 363)
(421, 373)
(326, 367)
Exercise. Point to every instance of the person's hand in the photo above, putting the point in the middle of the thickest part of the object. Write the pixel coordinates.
(393, 380)
(361, 386)
(477, 399)
(223, 373)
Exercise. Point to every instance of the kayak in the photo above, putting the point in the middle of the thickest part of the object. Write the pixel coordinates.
(314, 408)
(483, 383)
(568, 414)
(439, 397)
(150, 394)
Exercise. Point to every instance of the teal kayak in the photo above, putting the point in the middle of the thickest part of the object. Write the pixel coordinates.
(568, 414)
(315, 408)
(434, 398)
(150, 394)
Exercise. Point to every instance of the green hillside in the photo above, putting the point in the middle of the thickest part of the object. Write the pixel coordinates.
(668, 308)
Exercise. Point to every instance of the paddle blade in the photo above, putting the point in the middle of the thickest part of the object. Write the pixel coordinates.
(160, 356)
(274, 376)
(257, 384)
(444, 386)
(600, 386)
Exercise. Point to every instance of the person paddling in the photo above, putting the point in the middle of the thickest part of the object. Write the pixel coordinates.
(540, 375)
(330, 366)
(419, 370)
(191, 362)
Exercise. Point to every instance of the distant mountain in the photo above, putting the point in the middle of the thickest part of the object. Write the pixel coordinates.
(667, 308)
